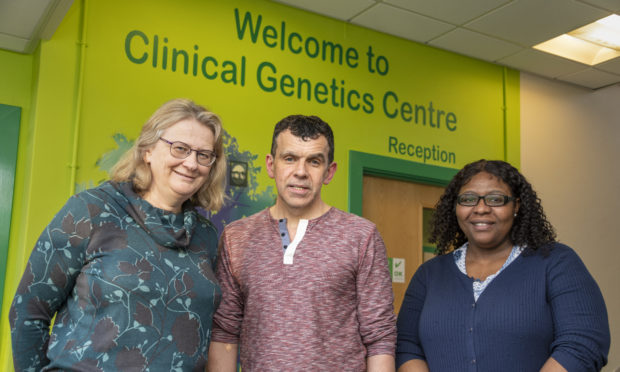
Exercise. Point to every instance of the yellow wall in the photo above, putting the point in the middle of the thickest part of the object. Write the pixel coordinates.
(89, 84)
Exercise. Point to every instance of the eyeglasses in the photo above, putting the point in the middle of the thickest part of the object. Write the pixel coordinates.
(491, 200)
(182, 150)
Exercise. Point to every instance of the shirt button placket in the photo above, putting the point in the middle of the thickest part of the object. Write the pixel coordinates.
(473, 367)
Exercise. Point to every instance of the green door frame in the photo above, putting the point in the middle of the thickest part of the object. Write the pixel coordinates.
(9, 136)
(361, 163)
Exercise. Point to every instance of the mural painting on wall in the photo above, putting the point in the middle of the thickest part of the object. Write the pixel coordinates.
(242, 190)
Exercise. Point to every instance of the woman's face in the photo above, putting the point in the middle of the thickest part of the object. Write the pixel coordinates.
(176, 180)
(486, 228)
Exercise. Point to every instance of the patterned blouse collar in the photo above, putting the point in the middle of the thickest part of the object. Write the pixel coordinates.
(478, 285)
(172, 230)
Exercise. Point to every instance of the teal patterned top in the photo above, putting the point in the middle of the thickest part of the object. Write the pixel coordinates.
(132, 287)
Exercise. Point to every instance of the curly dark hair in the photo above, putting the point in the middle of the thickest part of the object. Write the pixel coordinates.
(305, 127)
(530, 228)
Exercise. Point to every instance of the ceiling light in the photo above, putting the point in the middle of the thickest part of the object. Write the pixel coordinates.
(590, 44)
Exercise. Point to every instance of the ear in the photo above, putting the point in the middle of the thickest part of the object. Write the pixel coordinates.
(329, 174)
(269, 162)
(148, 154)
(517, 205)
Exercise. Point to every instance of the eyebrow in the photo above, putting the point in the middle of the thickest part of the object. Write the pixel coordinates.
(492, 192)
(318, 155)
(195, 149)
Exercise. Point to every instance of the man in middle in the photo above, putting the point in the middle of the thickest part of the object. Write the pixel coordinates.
(305, 286)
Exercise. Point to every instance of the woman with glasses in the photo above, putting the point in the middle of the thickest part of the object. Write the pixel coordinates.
(127, 267)
(502, 295)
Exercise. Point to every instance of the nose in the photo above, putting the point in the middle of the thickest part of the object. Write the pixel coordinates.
(481, 207)
(191, 162)
(300, 169)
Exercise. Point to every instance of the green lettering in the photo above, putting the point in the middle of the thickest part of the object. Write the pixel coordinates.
(320, 91)
(352, 57)
(205, 61)
(175, 54)
(247, 22)
(392, 141)
(451, 122)
(229, 75)
(387, 95)
(269, 34)
(287, 82)
(128, 53)
(259, 73)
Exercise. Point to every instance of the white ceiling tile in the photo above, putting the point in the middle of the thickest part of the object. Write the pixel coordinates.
(542, 63)
(529, 22)
(21, 17)
(613, 5)
(403, 23)
(475, 45)
(341, 9)
(455, 12)
(591, 78)
(15, 44)
(612, 66)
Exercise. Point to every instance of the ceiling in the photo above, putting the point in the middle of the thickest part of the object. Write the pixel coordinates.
(24, 22)
(498, 31)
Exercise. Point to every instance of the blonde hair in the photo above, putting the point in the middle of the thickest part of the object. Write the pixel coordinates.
(132, 167)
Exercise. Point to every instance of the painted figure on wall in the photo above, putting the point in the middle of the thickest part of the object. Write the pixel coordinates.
(238, 174)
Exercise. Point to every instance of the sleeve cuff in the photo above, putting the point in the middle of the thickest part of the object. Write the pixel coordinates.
(381, 348)
(219, 335)
(570, 362)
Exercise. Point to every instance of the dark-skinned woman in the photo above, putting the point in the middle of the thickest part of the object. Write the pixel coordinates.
(502, 295)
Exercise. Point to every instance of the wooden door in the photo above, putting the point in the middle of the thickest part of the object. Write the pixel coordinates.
(397, 208)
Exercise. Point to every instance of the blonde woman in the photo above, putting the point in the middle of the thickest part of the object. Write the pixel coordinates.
(127, 267)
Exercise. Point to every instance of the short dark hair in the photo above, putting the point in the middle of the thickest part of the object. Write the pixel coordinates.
(305, 127)
(530, 228)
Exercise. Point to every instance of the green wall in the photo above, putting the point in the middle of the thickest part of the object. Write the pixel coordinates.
(9, 138)
(15, 90)
(86, 92)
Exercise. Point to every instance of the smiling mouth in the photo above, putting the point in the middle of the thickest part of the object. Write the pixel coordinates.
(184, 175)
(482, 226)
(298, 188)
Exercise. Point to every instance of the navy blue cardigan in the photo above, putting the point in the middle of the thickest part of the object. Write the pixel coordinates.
(534, 309)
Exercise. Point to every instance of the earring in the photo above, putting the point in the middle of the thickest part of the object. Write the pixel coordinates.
(514, 215)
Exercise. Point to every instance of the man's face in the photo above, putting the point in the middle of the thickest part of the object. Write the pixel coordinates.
(300, 168)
